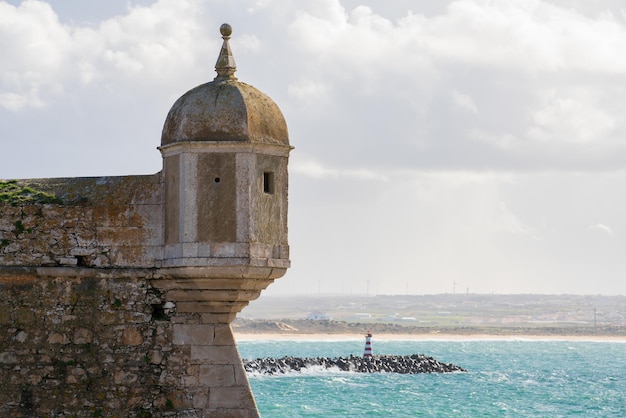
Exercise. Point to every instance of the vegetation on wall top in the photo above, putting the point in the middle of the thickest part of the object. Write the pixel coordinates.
(14, 193)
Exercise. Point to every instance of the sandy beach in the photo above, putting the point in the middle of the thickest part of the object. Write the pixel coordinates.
(423, 337)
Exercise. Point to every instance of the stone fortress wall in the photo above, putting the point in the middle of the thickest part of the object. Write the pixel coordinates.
(84, 330)
(96, 222)
(118, 292)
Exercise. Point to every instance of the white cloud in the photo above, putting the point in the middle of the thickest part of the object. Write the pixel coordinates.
(16, 102)
(148, 45)
(411, 129)
(316, 170)
(309, 91)
(464, 101)
(602, 228)
(504, 141)
(577, 120)
(536, 72)
(33, 45)
(388, 77)
(528, 35)
(505, 221)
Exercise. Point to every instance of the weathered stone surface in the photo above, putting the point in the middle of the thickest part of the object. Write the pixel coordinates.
(131, 336)
(224, 397)
(214, 354)
(85, 345)
(194, 334)
(79, 352)
(217, 375)
(88, 232)
(223, 335)
(82, 336)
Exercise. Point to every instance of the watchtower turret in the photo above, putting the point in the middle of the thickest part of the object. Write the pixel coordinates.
(225, 150)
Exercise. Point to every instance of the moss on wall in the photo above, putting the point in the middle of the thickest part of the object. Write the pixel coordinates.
(15, 193)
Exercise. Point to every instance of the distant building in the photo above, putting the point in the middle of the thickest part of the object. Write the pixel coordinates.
(318, 316)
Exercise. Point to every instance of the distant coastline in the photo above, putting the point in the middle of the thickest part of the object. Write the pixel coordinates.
(286, 329)
(422, 337)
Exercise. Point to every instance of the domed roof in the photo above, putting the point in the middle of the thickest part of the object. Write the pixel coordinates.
(225, 109)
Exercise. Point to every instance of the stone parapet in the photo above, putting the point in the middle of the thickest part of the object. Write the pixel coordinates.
(90, 226)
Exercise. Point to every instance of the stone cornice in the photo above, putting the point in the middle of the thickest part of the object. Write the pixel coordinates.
(222, 147)
(221, 272)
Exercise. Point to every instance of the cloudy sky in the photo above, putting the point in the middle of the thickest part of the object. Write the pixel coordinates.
(464, 145)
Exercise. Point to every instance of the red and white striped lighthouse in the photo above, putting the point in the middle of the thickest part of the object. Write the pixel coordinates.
(368, 345)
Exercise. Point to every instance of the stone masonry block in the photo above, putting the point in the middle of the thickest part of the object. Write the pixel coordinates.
(153, 252)
(119, 236)
(224, 335)
(259, 250)
(111, 215)
(215, 354)
(193, 334)
(82, 336)
(284, 252)
(231, 397)
(68, 261)
(225, 318)
(204, 249)
(154, 235)
(240, 376)
(190, 249)
(210, 307)
(8, 357)
(242, 250)
(145, 215)
(82, 251)
(213, 295)
(276, 251)
(173, 251)
(224, 250)
(233, 413)
(132, 337)
(217, 375)
(56, 338)
(200, 399)
(128, 256)
(278, 263)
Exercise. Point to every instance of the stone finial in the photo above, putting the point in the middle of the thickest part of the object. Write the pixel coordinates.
(225, 65)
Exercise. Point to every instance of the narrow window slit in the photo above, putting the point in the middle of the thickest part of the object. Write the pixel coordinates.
(268, 182)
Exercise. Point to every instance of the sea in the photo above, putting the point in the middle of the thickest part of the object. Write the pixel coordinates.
(504, 378)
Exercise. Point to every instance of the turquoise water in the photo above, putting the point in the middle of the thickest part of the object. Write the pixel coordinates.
(505, 379)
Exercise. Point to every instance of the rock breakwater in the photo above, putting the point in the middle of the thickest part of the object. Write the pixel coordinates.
(411, 364)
